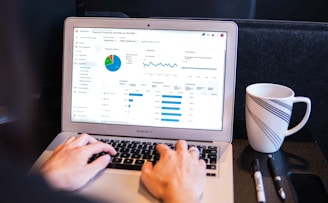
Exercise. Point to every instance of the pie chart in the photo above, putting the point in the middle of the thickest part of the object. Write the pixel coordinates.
(113, 63)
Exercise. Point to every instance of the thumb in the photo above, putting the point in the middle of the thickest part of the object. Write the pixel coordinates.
(147, 168)
(145, 172)
(99, 164)
(148, 179)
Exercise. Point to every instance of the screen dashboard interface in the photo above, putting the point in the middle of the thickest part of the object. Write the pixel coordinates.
(159, 78)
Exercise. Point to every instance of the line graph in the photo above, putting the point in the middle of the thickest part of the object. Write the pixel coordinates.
(159, 64)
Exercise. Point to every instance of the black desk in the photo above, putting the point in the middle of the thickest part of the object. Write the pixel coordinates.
(305, 157)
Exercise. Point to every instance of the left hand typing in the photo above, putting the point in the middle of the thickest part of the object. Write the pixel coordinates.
(68, 168)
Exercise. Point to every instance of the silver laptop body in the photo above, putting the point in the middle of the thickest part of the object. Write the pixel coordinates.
(156, 80)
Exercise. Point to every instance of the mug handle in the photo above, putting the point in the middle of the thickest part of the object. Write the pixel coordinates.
(306, 116)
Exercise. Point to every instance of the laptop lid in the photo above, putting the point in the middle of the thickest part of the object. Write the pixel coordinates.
(153, 78)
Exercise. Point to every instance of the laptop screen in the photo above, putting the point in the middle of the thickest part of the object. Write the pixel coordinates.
(145, 77)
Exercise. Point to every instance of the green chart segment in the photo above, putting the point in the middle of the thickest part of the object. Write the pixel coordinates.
(112, 63)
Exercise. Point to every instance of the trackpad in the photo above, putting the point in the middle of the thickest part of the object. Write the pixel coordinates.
(118, 187)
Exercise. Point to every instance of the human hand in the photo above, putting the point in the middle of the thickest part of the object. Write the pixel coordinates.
(179, 176)
(68, 168)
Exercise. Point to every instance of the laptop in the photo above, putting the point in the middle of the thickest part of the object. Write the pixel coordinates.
(135, 81)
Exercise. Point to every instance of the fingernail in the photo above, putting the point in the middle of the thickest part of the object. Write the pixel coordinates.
(108, 157)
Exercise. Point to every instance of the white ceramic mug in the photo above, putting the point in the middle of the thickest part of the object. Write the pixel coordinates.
(268, 110)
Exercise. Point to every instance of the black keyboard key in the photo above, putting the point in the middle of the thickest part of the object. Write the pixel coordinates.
(121, 145)
(124, 166)
(212, 161)
(135, 151)
(125, 155)
(211, 167)
(132, 146)
(135, 156)
(124, 150)
(139, 162)
(210, 151)
(145, 151)
(151, 147)
(125, 141)
(114, 142)
(147, 156)
(128, 161)
(142, 147)
(213, 151)
(116, 160)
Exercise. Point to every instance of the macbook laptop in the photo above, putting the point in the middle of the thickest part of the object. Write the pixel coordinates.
(137, 82)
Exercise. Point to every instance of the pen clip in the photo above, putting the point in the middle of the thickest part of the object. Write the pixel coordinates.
(272, 166)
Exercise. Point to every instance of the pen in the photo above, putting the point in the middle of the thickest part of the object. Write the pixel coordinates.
(258, 181)
(276, 178)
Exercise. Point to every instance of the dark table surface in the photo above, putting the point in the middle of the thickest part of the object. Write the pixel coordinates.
(299, 157)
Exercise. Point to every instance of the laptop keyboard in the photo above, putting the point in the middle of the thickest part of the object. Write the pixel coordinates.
(131, 155)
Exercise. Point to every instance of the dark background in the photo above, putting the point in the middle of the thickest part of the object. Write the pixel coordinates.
(43, 23)
(43, 20)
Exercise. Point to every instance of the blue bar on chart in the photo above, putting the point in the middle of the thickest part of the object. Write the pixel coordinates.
(171, 102)
(172, 96)
(171, 108)
(133, 95)
(171, 114)
(169, 120)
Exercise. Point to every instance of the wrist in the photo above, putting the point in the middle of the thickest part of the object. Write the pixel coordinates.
(55, 180)
(180, 195)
